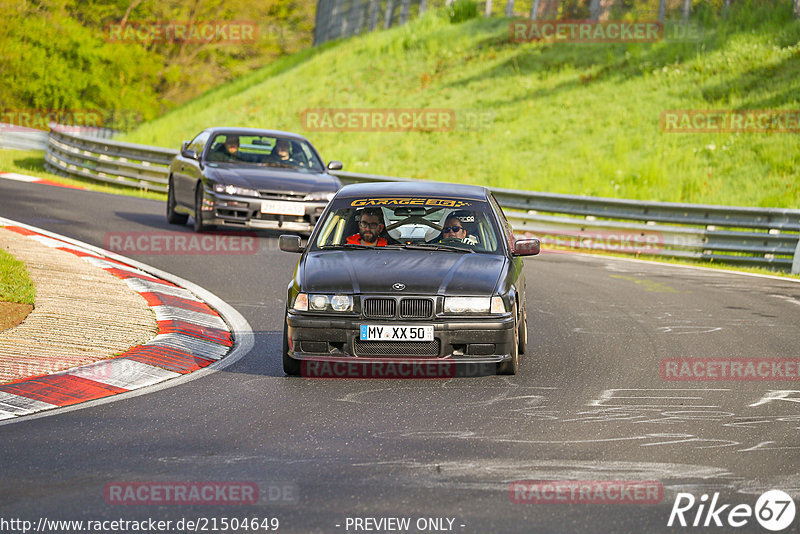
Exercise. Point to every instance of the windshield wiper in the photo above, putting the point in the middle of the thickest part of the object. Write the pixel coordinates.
(346, 245)
(436, 246)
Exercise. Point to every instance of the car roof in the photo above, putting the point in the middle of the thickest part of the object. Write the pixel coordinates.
(413, 188)
(253, 131)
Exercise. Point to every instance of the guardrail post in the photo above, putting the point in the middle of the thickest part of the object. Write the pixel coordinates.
(796, 258)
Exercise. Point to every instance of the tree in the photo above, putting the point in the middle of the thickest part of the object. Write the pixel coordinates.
(535, 10)
(662, 10)
(510, 8)
(594, 9)
(488, 11)
(373, 14)
(687, 6)
(389, 15)
(405, 6)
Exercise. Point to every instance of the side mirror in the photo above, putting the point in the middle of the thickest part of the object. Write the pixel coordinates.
(335, 165)
(526, 247)
(186, 153)
(290, 243)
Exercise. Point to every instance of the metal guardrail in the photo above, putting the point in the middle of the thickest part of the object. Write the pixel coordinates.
(113, 162)
(766, 237)
(22, 139)
(695, 231)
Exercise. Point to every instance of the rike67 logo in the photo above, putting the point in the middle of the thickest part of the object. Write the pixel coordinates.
(774, 511)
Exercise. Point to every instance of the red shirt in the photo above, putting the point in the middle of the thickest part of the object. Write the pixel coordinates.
(355, 239)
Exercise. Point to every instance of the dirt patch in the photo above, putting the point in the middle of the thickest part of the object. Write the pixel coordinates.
(12, 314)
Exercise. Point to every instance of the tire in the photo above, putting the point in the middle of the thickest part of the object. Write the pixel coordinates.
(172, 216)
(522, 334)
(290, 366)
(511, 366)
(198, 219)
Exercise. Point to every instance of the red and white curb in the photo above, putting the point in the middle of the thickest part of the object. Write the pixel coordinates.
(35, 180)
(191, 336)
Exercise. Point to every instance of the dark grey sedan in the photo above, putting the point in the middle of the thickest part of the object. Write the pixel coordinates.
(249, 178)
(407, 277)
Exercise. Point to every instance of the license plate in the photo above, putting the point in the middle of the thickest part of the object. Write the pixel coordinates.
(276, 207)
(403, 332)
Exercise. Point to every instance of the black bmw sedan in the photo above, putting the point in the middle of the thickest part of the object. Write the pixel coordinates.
(406, 272)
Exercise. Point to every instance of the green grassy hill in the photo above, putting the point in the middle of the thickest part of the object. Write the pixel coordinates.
(567, 118)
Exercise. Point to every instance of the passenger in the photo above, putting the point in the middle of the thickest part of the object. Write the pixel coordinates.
(370, 226)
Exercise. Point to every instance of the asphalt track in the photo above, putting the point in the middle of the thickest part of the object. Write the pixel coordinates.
(588, 404)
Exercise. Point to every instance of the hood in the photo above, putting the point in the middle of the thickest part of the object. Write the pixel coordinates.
(256, 177)
(423, 272)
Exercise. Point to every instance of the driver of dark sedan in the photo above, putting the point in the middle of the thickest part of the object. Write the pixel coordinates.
(370, 226)
(228, 151)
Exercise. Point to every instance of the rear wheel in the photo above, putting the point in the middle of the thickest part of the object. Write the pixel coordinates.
(172, 216)
(198, 211)
(510, 367)
(290, 366)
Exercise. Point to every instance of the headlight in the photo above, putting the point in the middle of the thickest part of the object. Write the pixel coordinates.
(474, 305)
(234, 190)
(318, 302)
(324, 196)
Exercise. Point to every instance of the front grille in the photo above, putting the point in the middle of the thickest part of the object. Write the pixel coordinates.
(380, 308)
(416, 308)
(399, 348)
(280, 195)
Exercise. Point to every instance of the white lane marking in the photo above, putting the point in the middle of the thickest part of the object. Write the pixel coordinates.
(167, 313)
(189, 344)
(123, 373)
(19, 405)
(19, 177)
(145, 286)
(788, 299)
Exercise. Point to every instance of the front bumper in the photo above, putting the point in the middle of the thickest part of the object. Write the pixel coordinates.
(478, 340)
(245, 212)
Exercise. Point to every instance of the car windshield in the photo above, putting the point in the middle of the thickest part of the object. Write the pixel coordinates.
(440, 223)
(264, 150)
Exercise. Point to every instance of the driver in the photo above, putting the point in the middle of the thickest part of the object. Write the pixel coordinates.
(370, 226)
(281, 153)
(454, 228)
(228, 151)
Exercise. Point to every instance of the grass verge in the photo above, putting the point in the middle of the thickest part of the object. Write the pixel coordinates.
(15, 282)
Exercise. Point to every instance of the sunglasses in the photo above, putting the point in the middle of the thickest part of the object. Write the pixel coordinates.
(454, 229)
(371, 226)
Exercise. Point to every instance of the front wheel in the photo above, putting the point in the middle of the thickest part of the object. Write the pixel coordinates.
(172, 216)
(511, 366)
(198, 212)
(523, 332)
(290, 366)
